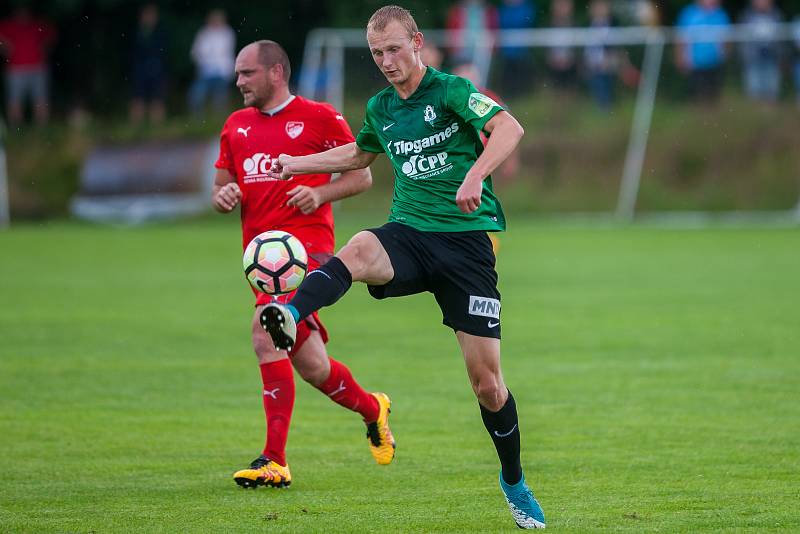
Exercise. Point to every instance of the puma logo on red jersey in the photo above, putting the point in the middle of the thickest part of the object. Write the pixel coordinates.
(244, 131)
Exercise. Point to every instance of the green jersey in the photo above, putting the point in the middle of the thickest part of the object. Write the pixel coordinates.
(432, 139)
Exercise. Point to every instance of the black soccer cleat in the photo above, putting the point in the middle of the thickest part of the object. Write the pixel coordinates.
(279, 323)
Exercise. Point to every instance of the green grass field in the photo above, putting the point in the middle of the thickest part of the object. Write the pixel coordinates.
(657, 374)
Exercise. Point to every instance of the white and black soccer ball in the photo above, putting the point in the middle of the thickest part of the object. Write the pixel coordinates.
(275, 262)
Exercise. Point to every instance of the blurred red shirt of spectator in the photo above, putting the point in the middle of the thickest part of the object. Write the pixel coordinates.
(26, 40)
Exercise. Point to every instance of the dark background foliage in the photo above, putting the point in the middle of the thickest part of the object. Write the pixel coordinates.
(91, 58)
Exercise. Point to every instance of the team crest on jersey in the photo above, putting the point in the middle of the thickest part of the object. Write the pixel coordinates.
(294, 129)
(430, 115)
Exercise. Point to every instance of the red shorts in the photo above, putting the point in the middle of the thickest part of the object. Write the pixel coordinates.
(305, 326)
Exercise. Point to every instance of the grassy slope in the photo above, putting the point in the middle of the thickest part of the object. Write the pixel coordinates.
(656, 374)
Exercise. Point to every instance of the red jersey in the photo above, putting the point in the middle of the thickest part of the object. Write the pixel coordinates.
(249, 141)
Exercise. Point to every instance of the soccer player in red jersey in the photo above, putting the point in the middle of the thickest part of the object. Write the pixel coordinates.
(274, 122)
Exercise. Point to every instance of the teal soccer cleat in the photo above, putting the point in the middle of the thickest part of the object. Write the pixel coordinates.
(524, 507)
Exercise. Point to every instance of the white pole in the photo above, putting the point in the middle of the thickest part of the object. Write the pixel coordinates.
(312, 59)
(642, 118)
(334, 66)
(5, 209)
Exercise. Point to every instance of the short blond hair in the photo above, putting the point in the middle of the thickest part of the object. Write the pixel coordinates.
(381, 18)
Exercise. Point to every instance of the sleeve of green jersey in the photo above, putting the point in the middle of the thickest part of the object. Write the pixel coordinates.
(367, 140)
(470, 104)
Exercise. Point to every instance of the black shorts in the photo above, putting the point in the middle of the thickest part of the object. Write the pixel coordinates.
(457, 267)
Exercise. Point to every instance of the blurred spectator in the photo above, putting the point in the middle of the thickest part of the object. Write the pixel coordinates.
(213, 51)
(431, 55)
(149, 65)
(702, 60)
(25, 41)
(561, 61)
(470, 33)
(647, 13)
(517, 64)
(600, 60)
(509, 168)
(761, 59)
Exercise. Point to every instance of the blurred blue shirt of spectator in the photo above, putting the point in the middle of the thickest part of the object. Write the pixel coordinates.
(694, 19)
(600, 59)
(761, 57)
(513, 15)
(517, 63)
(796, 33)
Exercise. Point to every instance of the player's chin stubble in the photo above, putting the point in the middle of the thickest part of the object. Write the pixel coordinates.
(252, 100)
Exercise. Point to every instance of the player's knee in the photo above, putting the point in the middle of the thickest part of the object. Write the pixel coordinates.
(311, 360)
(314, 372)
(491, 393)
(357, 255)
(366, 259)
(266, 352)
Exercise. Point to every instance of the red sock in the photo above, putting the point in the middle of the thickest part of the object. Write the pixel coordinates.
(343, 389)
(278, 394)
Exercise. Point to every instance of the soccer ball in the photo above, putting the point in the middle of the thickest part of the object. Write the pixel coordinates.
(275, 262)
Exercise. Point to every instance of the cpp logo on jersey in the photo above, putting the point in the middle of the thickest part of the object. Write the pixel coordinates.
(256, 167)
(423, 166)
(294, 129)
(484, 306)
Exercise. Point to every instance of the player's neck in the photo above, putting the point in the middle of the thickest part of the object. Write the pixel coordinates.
(407, 88)
(279, 97)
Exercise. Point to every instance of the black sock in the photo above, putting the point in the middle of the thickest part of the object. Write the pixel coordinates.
(503, 427)
(322, 287)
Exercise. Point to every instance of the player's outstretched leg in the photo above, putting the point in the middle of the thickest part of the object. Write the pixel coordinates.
(322, 287)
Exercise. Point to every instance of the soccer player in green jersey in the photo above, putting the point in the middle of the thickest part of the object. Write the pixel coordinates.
(428, 123)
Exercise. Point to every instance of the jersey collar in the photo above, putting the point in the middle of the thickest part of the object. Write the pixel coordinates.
(279, 107)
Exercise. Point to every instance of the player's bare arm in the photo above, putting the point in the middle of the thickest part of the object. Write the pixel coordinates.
(505, 134)
(225, 195)
(308, 199)
(340, 159)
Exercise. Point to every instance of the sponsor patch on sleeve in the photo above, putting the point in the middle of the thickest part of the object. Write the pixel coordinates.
(480, 104)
